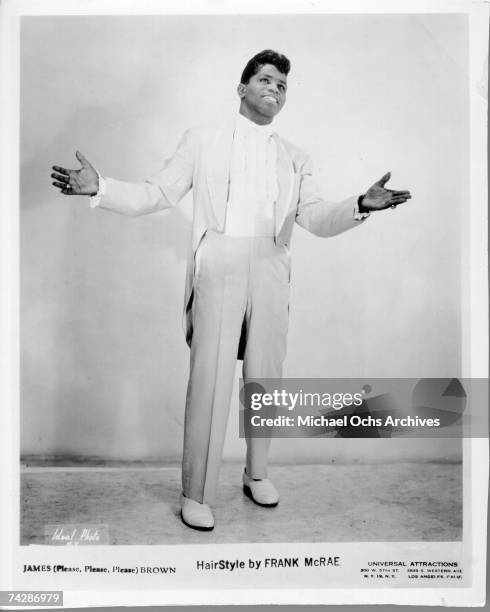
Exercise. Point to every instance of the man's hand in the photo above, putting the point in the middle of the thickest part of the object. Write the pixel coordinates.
(379, 198)
(84, 181)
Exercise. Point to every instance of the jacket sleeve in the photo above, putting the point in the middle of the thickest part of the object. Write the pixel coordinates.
(163, 190)
(318, 216)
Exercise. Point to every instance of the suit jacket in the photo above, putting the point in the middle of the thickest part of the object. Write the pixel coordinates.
(202, 162)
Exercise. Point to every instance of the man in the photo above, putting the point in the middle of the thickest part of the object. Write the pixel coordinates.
(249, 187)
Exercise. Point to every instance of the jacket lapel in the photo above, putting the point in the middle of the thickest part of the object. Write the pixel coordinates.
(285, 181)
(218, 171)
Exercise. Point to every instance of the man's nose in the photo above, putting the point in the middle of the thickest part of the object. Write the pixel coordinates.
(272, 87)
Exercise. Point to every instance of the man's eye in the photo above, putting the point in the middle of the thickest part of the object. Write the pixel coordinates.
(264, 80)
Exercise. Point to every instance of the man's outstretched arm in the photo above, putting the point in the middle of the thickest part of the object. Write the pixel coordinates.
(328, 219)
(164, 190)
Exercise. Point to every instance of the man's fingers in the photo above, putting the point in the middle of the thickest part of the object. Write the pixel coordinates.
(396, 194)
(60, 177)
(62, 186)
(61, 170)
(397, 201)
(400, 198)
(65, 189)
(384, 179)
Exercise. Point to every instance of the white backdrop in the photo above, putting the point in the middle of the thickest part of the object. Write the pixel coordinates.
(103, 359)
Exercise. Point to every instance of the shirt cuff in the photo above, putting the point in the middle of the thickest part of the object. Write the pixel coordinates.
(359, 216)
(95, 200)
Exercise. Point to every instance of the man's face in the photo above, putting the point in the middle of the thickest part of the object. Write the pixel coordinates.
(264, 95)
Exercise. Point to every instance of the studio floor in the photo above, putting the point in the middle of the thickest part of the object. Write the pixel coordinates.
(319, 503)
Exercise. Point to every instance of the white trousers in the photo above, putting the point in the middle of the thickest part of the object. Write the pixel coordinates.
(240, 282)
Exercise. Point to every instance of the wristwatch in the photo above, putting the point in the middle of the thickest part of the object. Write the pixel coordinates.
(361, 212)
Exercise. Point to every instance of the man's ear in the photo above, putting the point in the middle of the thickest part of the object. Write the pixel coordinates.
(241, 89)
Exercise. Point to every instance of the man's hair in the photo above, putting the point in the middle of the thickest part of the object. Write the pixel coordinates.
(268, 56)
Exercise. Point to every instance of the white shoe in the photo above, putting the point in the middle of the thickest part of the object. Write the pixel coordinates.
(196, 515)
(262, 492)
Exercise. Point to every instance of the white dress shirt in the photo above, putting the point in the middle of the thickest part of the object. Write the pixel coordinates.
(253, 181)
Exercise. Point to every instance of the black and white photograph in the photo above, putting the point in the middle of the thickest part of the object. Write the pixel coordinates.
(213, 197)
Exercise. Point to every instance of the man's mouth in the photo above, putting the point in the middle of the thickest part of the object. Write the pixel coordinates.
(271, 99)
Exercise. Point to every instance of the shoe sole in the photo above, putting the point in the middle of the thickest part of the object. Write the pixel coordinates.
(248, 493)
(197, 527)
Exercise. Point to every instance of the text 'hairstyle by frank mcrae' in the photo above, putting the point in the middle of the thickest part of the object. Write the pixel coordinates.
(268, 56)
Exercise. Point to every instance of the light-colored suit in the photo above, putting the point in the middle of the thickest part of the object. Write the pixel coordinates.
(202, 162)
(238, 302)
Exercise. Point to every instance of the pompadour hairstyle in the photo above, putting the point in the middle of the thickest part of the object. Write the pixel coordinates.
(268, 56)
